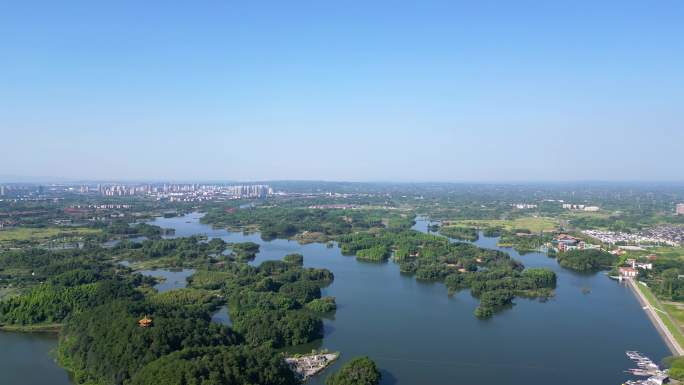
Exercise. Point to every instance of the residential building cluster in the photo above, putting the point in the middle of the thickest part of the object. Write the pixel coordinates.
(181, 192)
(565, 242)
(102, 206)
(571, 206)
(117, 190)
(670, 235)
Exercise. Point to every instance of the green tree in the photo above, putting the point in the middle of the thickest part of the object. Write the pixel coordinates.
(217, 366)
(359, 371)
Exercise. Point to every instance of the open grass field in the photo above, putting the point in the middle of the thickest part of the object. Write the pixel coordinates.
(586, 214)
(676, 311)
(668, 252)
(534, 224)
(40, 234)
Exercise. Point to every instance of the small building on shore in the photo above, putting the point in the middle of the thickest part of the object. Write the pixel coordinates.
(628, 272)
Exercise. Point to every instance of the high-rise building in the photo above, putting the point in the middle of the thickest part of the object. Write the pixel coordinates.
(2, 191)
(680, 209)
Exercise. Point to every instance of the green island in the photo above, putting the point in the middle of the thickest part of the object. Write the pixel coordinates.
(359, 371)
(460, 233)
(586, 260)
(490, 275)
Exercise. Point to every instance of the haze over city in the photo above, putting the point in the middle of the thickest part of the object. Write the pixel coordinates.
(356, 91)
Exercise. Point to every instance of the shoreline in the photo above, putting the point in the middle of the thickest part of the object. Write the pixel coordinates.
(664, 332)
(46, 328)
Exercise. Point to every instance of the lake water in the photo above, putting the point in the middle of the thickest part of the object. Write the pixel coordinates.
(417, 334)
(170, 279)
(26, 359)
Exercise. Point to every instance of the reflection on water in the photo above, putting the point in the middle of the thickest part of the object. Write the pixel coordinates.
(222, 317)
(169, 279)
(26, 359)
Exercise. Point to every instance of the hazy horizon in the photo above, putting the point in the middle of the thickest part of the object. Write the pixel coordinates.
(355, 91)
(14, 179)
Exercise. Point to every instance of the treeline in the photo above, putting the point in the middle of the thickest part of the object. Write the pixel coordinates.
(59, 283)
(285, 222)
(216, 366)
(120, 228)
(665, 277)
(460, 233)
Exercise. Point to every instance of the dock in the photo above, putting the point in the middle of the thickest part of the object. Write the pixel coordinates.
(645, 368)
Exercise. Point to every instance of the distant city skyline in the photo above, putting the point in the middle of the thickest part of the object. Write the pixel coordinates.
(433, 91)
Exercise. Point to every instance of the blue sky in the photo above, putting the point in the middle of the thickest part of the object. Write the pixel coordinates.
(343, 90)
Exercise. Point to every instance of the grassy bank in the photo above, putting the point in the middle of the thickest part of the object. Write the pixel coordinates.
(662, 313)
(41, 234)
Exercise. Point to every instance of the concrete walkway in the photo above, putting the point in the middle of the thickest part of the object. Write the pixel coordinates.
(670, 340)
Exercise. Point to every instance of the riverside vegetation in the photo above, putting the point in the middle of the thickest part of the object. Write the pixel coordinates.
(98, 302)
(87, 292)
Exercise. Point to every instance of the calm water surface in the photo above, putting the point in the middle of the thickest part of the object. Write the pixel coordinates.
(26, 359)
(419, 335)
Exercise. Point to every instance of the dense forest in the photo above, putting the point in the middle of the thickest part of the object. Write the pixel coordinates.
(665, 277)
(57, 284)
(586, 260)
(99, 302)
(277, 303)
(358, 371)
(460, 233)
(285, 222)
